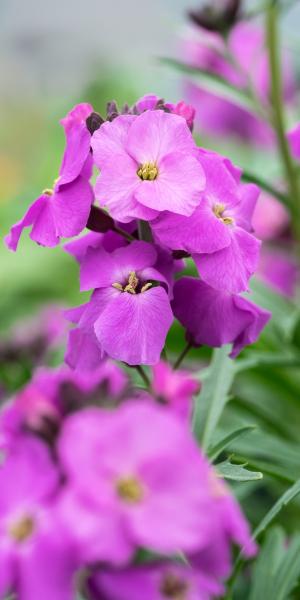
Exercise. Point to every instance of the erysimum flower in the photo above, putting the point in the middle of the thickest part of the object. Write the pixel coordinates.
(148, 164)
(249, 65)
(51, 394)
(63, 210)
(174, 388)
(140, 466)
(128, 315)
(34, 559)
(217, 234)
(216, 318)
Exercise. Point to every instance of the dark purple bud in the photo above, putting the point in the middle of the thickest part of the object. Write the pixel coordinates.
(93, 122)
(215, 18)
(112, 110)
(99, 221)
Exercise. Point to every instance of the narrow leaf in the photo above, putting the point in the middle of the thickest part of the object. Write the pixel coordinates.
(289, 495)
(288, 572)
(213, 396)
(237, 472)
(215, 451)
(266, 564)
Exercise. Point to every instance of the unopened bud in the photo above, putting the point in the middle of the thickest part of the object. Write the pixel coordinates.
(93, 122)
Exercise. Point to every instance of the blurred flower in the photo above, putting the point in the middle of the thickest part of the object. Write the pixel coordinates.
(279, 269)
(242, 61)
(174, 388)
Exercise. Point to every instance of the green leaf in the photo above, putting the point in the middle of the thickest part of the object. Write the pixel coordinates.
(237, 472)
(213, 396)
(285, 314)
(213, 84)
(214, 451)
(287, 497)
(265, 185)
(288, 572)
(267, 563)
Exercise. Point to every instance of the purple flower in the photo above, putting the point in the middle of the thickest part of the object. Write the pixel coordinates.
(154, 582)
(140, 466)
(51, 394)
(294, 140)
(217, 318)
(128, 315)
(174, 388)
(278, 217)
(153, 102)
(34, 560)
(217, 234)
(279, 270)
(148, 164)
(63, 210)
(216, 115)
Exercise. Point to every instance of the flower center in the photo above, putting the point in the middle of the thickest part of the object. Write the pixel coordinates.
(133, 285)
(174, 587)
(130, 490)
(218, 210)
(22, 529)
(148, 171)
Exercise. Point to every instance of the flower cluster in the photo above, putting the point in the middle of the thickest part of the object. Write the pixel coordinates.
(89, 482)
(108, 491)
(166, 199)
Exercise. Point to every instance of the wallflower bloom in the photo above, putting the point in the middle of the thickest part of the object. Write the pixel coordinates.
(153, 102)
(148, 164)
(216, 115)
(278, 218)
(174, 388)
(51, 394)
(152, 481)
(63, 210)
(34, 562)
(217, 234)
(128, 315)
(279, 270)
(217, 318)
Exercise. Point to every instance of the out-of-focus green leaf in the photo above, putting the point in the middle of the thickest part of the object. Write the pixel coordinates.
(212, 399)
(287, 497)
(285, 313)
(266, 564)
(213, 83)
(277, 568)
(214, 451)
(237, 472)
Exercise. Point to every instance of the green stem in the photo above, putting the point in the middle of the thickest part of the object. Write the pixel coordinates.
(144, 230)
(278, 115)
(266, 186)
(182, 356)
(143, 375)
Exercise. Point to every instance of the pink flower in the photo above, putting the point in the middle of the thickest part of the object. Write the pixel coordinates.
(208, 51)
(279, 269)
(148, 164)
(276, 222)
(63, 210)
(140, 466)
(34, 557)
(216, 318)
(217, 234)
(174, 388)
(128, 315)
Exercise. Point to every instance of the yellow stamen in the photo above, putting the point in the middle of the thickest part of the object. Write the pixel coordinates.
(218, 210)
(22, 530)
(117, 286)
(132, 283)
(146, 287)
(174, 587)
(148, 171)
(48, 192)
(130, 490)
